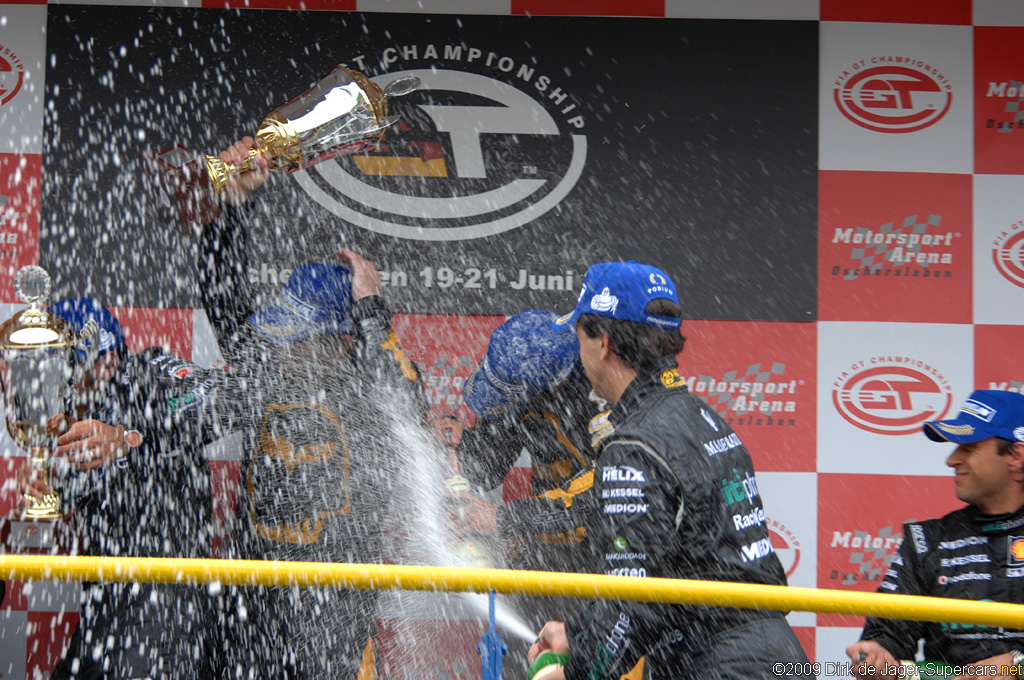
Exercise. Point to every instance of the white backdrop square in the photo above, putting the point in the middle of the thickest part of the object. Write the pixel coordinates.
(500, 7)
(22, 71)
(998, 250)
(998, 13)
(743, 9)
(791, 505)
(883, 70)
(877, 385)
(831, 649)
(13, 643)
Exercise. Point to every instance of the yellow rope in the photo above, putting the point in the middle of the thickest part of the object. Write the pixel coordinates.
(386, 577)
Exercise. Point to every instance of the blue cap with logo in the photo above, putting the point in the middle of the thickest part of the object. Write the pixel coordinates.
(79, 311)
(622, 290)
(316, 299)
(523, 359)
(986, 413)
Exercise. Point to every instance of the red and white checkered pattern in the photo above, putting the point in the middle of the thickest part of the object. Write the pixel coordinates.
(832, 409)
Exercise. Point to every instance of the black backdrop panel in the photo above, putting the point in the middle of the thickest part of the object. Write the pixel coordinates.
(535, 147)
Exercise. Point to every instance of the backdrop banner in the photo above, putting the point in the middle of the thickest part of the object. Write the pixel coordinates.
(534, 147)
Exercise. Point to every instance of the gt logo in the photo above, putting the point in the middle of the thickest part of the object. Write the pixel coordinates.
(442, 180)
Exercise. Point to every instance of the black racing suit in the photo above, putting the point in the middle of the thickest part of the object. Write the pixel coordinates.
(548, 531)
(152, 502)
(678, 499)
(316, 481)
(966, 555)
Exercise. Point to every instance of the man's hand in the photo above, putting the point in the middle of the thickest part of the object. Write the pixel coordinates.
(30, 483)
(365, 279)
(868, 653)
(473, 516)
(552, 636)
(240, 186)
(89, 444)
(447, 429)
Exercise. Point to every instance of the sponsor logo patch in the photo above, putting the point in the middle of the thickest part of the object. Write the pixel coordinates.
(623, 473)
(671, 378)
(1015, 551)
(739, 488)
(978, 410)
(968, 576)
(757, 550)
(604, 302)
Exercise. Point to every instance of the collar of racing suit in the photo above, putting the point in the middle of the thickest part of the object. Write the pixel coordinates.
(642, 385)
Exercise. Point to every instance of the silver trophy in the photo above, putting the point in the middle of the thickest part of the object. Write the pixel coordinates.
(37, 362)
(345, 113)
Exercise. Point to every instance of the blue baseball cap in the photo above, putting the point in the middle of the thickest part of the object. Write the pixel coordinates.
(986, 413)
(80, 311)
(316, 299)
(622, 290)
(523, 359)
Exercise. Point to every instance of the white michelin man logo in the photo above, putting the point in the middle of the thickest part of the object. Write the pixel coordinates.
(106, 340)
(604, 301)
(1019, 434)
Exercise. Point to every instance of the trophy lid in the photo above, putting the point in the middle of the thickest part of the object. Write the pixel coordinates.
(35, 327)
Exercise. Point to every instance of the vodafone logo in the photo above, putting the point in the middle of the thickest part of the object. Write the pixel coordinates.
(12, 75)
(891, 395)
(471, 157)
(787, 546)
(1008, 254)
(899, 95)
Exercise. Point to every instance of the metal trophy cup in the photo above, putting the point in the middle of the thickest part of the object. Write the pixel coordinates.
(37, 354)
(344, 113)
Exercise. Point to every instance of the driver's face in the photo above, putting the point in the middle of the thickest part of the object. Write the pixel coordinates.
(97, 378)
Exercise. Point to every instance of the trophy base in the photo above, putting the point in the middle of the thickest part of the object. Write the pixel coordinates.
(46, 509)
(22, 532)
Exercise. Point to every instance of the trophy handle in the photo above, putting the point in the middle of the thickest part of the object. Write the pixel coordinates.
(401, 86)
(220, 171)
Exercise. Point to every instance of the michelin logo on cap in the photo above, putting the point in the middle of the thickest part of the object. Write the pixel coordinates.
(107, 340)
(604, 301)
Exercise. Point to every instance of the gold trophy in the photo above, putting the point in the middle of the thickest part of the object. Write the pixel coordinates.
(344, 113)
(37, 359)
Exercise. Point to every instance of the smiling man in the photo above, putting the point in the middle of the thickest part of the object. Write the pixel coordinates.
(975, 553)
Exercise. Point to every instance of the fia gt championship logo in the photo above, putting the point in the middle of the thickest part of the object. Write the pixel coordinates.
(473, 155)
(892, 395)
(893, 94)
(1008, 253)
(12, 75)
